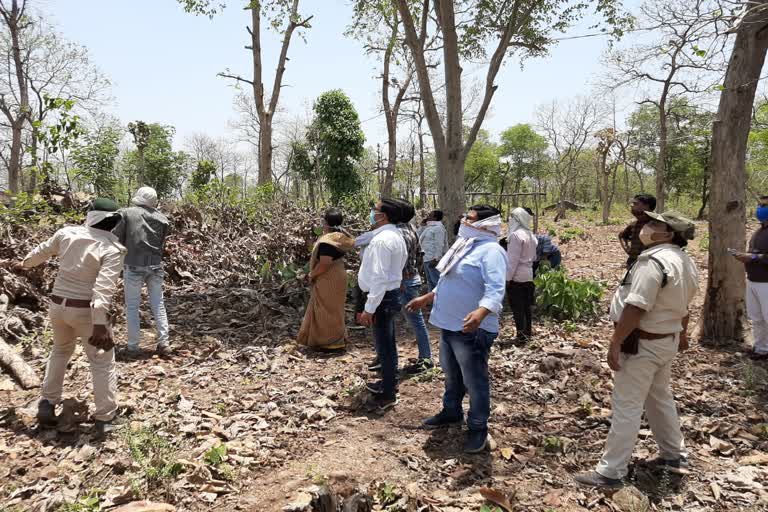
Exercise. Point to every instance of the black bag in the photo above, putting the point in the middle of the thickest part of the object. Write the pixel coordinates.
(631, 344)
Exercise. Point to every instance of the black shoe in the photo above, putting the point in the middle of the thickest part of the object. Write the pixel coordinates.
(382, 404)
(374, 365)
(418, 367)
(678, 466)
(105, 427)
(163, 351)
(755, 356)
(377, 388)
(46, 413)
(442, 419)
(595, 479)
(476, 441)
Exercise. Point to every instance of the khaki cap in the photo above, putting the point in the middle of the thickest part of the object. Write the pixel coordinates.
(676, 221)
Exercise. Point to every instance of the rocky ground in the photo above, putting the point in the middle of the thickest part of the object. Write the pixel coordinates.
(241, 419)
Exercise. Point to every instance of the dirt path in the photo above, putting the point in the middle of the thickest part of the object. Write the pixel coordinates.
(289, 418)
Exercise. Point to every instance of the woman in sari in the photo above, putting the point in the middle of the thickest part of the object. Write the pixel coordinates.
(324, 326)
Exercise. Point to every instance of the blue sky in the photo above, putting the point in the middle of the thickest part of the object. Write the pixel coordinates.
(163, 63)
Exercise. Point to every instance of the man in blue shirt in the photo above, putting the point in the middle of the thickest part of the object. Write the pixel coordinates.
(467, 304)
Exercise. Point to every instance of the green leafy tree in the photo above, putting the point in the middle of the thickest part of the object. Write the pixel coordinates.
(304, 166)
(524, 153)
(482, 164)
(95, 157)
(160, 167)
(57, 137)
(339, 143)
(202, 174)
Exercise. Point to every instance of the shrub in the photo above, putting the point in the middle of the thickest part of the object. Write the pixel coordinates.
(567, 299)
(571, 234)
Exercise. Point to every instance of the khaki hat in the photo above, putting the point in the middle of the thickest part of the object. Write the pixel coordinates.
(676, 221)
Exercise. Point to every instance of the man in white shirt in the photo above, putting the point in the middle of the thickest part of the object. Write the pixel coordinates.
(521, 254)
(90, 260)
(380, 275)
(434, 243)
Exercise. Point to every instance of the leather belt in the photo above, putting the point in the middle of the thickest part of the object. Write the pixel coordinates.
(651, 336)
(70, 303)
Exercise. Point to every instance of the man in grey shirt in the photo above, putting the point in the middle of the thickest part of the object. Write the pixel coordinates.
(143, 233)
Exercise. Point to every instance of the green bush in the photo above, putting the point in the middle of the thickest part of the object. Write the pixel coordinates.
(567, 299)
(571, 234)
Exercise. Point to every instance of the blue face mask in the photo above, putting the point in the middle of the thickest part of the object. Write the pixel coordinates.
(762, 213)
(372, 218)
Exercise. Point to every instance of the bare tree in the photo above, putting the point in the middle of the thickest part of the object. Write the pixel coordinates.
(723, 316)
(465, 29)
(276, 13)
(686, 57)
(14, 103)
(568, 130)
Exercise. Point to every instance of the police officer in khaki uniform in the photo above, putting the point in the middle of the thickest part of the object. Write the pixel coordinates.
(650, 312)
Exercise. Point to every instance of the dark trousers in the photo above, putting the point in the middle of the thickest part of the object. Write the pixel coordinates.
(384, 335)
(521, 297)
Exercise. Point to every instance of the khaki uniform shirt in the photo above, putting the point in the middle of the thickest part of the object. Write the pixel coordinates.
(90, 261)
(665, 307)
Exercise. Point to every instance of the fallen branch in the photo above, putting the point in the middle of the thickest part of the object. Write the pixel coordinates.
(18, 368)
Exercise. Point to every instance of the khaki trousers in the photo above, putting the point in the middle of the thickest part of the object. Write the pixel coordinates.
(644, 380)
(68, 324)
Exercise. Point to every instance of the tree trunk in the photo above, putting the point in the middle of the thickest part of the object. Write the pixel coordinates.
(661, 163)
(265, 149)
(705, 181)
(14, 163)
(422, 172)
(17, 367)
(13, 19)
(723, 316)
(606, 200)
(450, 191)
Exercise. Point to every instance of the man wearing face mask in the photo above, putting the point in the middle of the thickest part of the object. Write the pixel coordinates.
(467, 304)
(630, 237)
(380, 276)
(521, 254)
(650, 313)
(755, 262)
(90, 260)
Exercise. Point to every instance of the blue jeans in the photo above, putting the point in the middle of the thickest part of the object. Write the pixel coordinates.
(464, 360)
(433, 276)
(384, 335)
(134, 278)
(409, 290)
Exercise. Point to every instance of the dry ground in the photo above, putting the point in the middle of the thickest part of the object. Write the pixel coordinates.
(290, 418)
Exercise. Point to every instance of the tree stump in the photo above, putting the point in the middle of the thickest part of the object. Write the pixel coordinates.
(17, 367)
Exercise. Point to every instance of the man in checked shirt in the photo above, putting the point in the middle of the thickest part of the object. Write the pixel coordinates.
(90, 260)
(630, 237)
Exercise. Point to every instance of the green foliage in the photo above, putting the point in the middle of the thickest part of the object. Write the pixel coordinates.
(59, 136)
(88, 503)
(553, 444)
(489, 508)
(567, 299)
(571, 234)
(155, 457)
(755, 377)
(201, 176)
(338, 141)
(482, 167)
(154, 163)
(95, 156)
(387, 494)
(216, 455)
